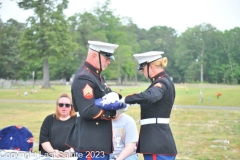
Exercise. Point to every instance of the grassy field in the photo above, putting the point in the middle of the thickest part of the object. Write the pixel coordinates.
(199, 133)
(230, 93)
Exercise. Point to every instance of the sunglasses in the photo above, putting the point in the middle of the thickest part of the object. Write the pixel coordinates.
(67, 105)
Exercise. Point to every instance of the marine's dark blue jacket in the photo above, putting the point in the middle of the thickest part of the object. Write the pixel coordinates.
(93, 129)
(156, 102)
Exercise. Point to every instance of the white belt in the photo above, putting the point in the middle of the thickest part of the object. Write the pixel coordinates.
(154, 121)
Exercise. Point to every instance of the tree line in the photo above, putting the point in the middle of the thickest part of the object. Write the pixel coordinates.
(54, 46)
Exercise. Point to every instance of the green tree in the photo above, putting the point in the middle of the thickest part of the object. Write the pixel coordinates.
(230, 57)
(183, 59)
(114, 31)
(125, 62)
(47, 36)
(83, 27)
(29, 67)
(163, 38)
(196, 45)
(9, 51)
(103, 25)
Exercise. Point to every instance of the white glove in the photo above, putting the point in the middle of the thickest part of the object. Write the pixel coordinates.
(122, 100)
(120, 111)
(111, 97)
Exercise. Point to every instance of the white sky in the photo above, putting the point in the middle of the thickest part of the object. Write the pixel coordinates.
(178, 14)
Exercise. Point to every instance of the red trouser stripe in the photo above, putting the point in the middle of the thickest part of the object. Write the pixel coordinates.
(154, 157)
(89, 158)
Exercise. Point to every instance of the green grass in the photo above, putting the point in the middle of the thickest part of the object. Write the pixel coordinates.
(230, 93)
(41, 94)
(194, 130)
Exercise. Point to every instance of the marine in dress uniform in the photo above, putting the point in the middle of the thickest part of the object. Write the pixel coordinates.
(93, 128)
(155, 140)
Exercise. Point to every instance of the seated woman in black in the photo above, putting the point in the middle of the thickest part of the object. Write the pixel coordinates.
(55, 129)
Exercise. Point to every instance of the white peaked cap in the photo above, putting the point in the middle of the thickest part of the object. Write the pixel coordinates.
(101, 46)
(148, 56)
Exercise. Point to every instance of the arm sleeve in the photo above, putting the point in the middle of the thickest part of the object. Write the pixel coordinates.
(45, 130)
(83, 98)
(151, 95)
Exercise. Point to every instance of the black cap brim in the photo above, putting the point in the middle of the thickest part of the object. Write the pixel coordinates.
(108, 55)
(142, 65)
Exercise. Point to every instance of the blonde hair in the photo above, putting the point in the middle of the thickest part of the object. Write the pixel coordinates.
(160, 62)
(72, 112)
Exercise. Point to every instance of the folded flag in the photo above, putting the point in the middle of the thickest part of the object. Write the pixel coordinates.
(16, 138)
(102, 103)
(111, 97)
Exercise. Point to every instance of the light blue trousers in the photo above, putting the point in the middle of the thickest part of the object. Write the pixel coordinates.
(131, 157)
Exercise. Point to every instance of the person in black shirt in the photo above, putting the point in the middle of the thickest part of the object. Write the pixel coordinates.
(155, 140)
(55, 128)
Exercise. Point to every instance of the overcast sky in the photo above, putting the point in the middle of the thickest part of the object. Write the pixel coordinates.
(178, 14)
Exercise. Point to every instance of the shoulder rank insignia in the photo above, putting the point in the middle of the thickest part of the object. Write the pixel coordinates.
(158, 85)
(87, 91)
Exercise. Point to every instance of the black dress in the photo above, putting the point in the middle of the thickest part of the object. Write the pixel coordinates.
(55, 131)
